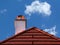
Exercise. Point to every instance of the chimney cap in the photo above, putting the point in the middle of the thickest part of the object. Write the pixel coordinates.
(20, 17)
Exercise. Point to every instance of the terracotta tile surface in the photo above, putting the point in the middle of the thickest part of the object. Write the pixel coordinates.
(32, 36)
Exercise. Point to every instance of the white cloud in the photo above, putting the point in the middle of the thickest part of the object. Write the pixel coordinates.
(38, 7)
(51, 30)
(3, 11)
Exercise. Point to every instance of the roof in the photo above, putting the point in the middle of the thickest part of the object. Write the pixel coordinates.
(32, 36)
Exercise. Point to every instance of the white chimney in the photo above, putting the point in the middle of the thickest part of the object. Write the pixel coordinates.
(20, 24)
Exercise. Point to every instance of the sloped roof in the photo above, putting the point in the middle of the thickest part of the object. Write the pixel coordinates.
(32, 36)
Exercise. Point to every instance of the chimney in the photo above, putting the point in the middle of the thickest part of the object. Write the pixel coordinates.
(20, 24)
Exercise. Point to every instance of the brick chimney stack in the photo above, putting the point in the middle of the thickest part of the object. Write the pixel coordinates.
(20, 24)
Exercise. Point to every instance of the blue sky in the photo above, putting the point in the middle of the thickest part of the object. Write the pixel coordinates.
(47, 20)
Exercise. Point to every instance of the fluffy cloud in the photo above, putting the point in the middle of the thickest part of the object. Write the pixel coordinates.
(3, 11)
(51, 30)
(38, 7)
